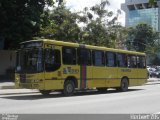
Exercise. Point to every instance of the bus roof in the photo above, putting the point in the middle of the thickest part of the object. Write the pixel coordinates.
(71, 44)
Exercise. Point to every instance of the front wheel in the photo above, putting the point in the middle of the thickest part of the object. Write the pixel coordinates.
(69, 88)
(124, 85)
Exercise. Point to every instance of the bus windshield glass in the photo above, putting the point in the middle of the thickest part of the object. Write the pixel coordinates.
(29, 60)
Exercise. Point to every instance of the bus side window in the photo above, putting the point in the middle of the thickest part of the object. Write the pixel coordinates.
(110, 59)
(129, 61)
(132, 61)
(69, 55)
(98, 58)
(141, 62)
(52, 60)
(121, 60)
(138, 62)
(84, 56)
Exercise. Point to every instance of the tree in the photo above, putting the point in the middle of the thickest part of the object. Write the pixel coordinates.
(141, 37)
(95, 25)
(120, 34)
(99, 23)
(152, 2)
(156, 61)
(22, 19)
(63, 25)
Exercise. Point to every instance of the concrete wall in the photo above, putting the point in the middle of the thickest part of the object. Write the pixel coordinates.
(7, 61)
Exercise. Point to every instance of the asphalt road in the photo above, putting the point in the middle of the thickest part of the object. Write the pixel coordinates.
(140, 99)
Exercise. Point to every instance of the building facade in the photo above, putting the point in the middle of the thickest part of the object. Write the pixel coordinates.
(7, 64)
(140, 11)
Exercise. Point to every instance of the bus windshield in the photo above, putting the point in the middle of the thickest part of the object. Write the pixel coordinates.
(29, 60)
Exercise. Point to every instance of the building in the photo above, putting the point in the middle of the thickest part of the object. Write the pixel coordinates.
(7, 64)
(140, 11)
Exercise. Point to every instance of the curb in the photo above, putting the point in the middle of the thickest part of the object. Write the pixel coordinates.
(153, 80)
(7, 87)
(18, 93)
(152, 83)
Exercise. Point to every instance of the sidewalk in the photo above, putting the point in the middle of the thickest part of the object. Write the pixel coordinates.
(7, 85)
(17, 91)
(153, 79)
(8, 88)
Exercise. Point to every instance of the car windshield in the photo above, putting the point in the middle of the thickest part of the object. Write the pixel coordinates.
(29, 60)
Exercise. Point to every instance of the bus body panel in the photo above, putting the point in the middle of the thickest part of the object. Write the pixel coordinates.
(31, 81)
(99, 77)
(89, 76)
(142, 75)
(133, 75)
(112, 77)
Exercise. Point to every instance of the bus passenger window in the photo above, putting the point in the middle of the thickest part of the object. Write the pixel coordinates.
(110, 59)
(128, 61)
(132, 62)
(84, 56)
(141, 62)
(98, 58)
(121, 60)
(69, 55)
(52, 60)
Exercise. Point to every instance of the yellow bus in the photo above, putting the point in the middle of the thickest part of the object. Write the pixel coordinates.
(50, 65)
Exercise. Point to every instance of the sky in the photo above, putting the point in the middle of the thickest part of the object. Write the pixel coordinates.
(77, 5)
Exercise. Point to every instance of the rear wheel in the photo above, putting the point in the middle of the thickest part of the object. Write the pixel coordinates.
(69, 88)
(124, 85)
(45, 92)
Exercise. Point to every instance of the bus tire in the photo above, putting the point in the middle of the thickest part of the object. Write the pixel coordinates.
(45, 92)
(124, 85)
(69, 88)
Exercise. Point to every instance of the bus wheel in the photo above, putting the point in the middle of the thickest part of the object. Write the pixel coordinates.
(102, 90)
(124, 85)
(69, 88)
(45, 92)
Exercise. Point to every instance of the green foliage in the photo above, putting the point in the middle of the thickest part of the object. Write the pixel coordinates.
(62, 25)
(95, 29)
(152, 2)
(144, 39)
(141, 37)
(28, 19)
(98, 25)
(21, 19)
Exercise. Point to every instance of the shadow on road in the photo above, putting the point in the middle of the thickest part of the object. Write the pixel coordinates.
(36, 96)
